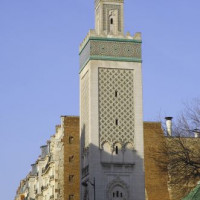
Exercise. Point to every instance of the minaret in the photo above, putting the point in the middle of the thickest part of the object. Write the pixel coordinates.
(111, 119)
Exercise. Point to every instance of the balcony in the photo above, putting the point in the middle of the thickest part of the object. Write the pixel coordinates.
(46, 168)
(85, 171)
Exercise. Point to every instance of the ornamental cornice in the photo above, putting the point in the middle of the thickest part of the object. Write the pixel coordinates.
(137, 37)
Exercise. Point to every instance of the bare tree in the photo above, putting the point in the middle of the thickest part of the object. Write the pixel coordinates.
(188, 120)
(183, 152)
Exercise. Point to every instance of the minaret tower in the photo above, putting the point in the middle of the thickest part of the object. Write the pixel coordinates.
(111, 118)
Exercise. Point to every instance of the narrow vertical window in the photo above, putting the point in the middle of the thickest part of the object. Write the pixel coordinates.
(121, 194)
(111, 21)
(71, 158)
(71, 139)
(113, 194)
(116, 150)
(71, 178)
(116, 93)
(116, 122)
(117, 193)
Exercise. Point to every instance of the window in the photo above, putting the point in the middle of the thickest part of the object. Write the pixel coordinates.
(116, 93)
(116, 150)
(117, 193)
(116, 122)
(71, 158)
(71, 197)
(71, 178)
(111, 21)
(71, 139)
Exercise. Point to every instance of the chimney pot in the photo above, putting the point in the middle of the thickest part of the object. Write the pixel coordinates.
(196, 133)
(169, 125)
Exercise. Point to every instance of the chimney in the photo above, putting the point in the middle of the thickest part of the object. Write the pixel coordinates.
(34, 169)
(44, 151)
(196, 133)
(169, 125)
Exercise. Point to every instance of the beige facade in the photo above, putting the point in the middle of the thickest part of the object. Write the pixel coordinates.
(55, 175)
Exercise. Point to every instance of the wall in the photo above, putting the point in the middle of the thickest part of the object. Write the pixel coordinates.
(155, 178)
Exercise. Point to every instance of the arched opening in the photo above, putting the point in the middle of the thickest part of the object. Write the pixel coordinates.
(117, 190)
(118, 193)
(106, 152)
(129, 153)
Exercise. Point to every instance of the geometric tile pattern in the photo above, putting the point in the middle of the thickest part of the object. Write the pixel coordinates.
(114, 49)
(85, 110)
(85, 54)
(116, 105)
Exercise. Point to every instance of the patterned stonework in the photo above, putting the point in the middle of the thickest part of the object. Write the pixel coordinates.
(106, 9)
(112, 49)
(85, 55)
(85, 110)
(115, 49)
(116, 106)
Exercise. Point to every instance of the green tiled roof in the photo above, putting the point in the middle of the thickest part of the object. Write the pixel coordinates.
(194, 194)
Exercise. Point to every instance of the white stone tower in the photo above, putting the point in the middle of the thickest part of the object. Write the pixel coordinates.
(111, 109)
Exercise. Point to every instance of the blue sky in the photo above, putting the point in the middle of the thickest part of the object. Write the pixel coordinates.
(39, 68)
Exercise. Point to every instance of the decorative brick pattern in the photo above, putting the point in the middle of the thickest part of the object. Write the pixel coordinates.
(116, 49)
(113, 49)
(116, 111)
(85, 55)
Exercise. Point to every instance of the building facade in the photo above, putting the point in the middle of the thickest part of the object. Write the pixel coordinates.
(55, 174)
(60, 178)
(111, 153)
(111, 119)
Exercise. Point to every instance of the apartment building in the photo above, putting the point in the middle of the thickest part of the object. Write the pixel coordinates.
(55, 174)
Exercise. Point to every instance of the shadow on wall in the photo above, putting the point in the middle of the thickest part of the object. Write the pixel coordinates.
(120, 164)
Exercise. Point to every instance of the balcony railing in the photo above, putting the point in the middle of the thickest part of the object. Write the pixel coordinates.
(45, 168)
(85, 171)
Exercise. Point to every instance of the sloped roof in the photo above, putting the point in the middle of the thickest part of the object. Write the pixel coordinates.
(194, 194)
